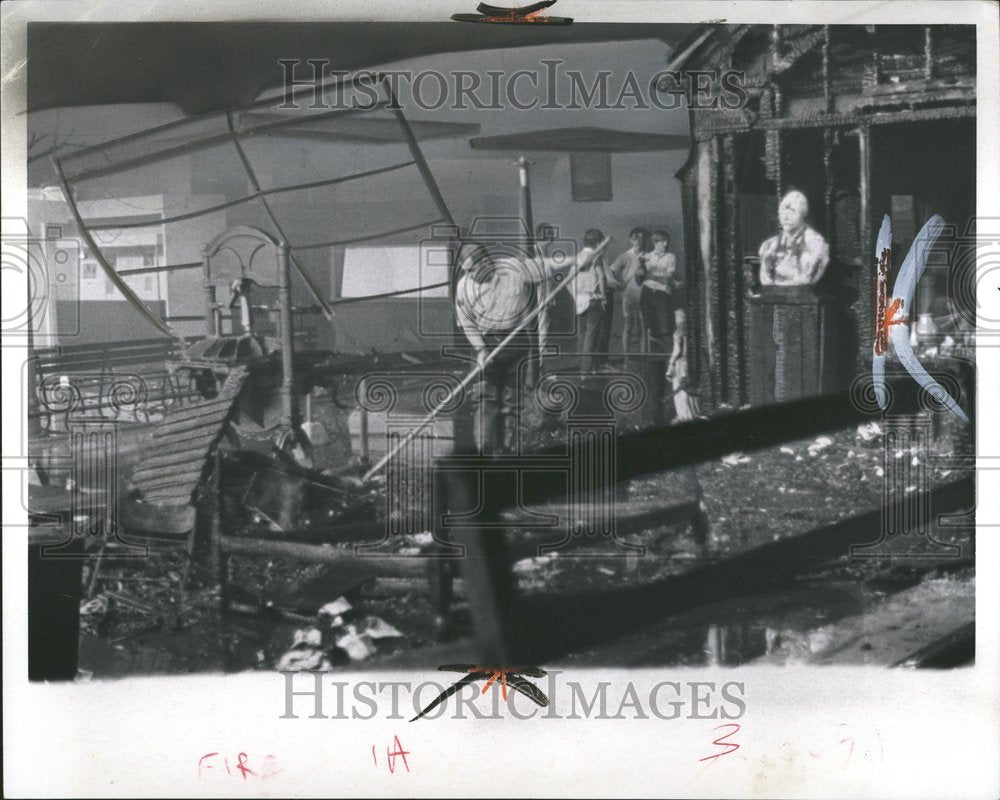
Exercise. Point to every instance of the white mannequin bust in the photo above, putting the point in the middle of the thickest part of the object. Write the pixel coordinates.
(797, 256)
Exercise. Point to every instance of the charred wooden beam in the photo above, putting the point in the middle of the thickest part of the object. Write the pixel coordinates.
(954, 650)
(928, 53)
(962, 106)
(772, 158)
(712, 288)
(774, 49)
(863, 310)
(730, 276)
(670, 447)
(825, 52)
(830, 136)
(317, 553)
(553, 627)
(492, 598)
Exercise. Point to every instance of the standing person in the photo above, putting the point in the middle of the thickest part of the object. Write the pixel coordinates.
(623, 271)
(611, 293)
(657, 274)
(493, 296)
(544, 234)
(590, 293)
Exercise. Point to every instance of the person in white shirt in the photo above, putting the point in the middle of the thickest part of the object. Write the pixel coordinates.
(495, 293)
(590, 291)
(621, 275)
(544, 234)
(658, 276)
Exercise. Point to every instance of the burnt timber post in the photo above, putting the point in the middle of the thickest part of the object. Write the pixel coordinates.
(287, 344)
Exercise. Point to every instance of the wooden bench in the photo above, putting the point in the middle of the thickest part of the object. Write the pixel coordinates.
(105, 379)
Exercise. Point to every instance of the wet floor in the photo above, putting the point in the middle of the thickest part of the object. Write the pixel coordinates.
(141, 620)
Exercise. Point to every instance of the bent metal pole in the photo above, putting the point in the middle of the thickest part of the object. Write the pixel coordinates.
(479, 367)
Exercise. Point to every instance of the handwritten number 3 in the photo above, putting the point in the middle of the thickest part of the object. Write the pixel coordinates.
(731, 747)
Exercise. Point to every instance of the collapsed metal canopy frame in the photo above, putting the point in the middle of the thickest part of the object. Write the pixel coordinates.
(236, 136)
(166, 61)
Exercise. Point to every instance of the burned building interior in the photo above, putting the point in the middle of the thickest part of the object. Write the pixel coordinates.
(267, 458)
(864, 121)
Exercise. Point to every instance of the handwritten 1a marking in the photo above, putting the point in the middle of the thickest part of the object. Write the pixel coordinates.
(508, 676)
(391, 756)
(889, 327)
(398, 752)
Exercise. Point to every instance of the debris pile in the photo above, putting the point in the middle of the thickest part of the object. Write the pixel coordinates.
(338, 637)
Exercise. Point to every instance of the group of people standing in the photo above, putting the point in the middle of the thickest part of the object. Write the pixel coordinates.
(496, 294)
(646, 277)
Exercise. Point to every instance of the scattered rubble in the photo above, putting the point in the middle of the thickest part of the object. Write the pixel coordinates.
(773, 499)
(819, 445)
(869, 431)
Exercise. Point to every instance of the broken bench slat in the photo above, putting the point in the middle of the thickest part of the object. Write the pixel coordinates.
(369, 533)
(177, 476)
(161, 477)
(402, 566)
(205, 408)
(171, 459)
(179, 448)
(190, 426)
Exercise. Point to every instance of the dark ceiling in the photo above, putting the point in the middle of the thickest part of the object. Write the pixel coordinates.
(582, 140)
(207, 66)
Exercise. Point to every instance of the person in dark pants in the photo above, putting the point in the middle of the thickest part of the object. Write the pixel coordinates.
(658, 276)
(611, 287)
(591, 325)
(622, 272)
(494, 297)
(590, 294)
(543, 238)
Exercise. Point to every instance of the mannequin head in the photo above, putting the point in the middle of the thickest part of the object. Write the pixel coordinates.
(792, 211)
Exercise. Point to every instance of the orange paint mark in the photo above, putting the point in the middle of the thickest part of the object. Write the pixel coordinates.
(518, 19)
(884, 317)
(494, 674)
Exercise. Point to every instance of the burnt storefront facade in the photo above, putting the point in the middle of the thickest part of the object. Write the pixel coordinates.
(860, 120)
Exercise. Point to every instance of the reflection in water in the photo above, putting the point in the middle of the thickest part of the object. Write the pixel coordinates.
(729, 645)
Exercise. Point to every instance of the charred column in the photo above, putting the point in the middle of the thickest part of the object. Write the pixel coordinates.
(287, 345)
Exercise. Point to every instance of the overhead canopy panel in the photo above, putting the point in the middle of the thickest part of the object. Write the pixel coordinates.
(582, 140)
(206, 66)
(362, 178)
(371, 130)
